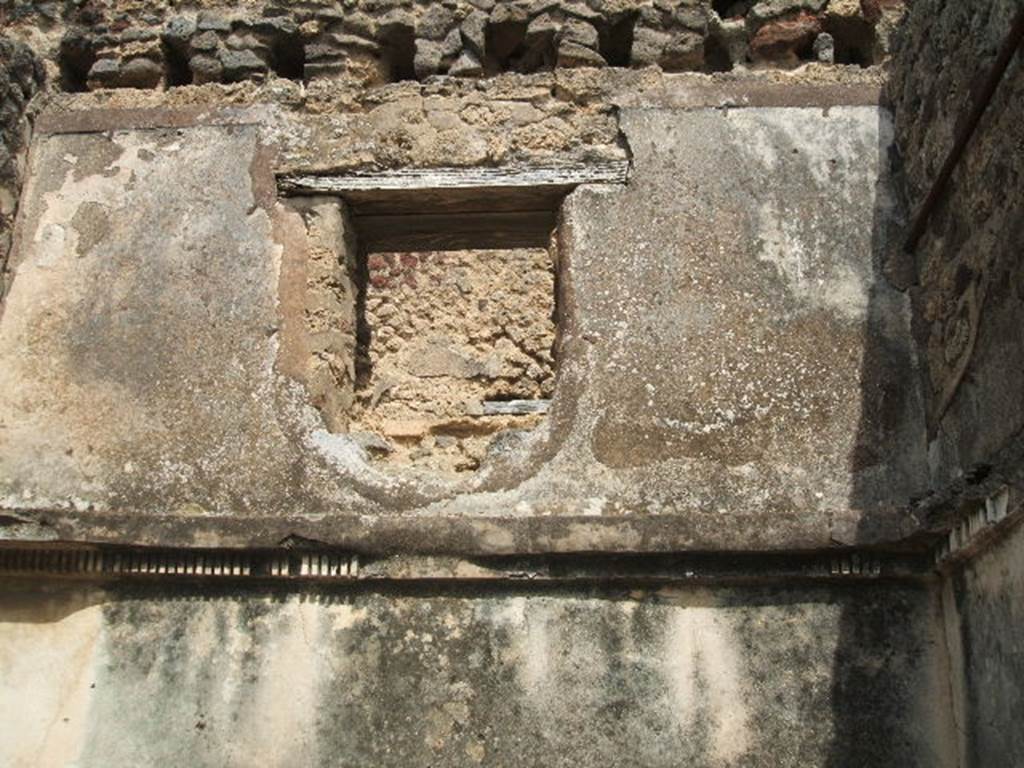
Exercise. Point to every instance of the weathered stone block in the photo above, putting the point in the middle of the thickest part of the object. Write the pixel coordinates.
(766, 10)
(466, 65)
(825, 48)
(212, 22)
(572, 54)
(240, 65)
(206, 69)
(429, 55)
(581, 33)
(648, 45)
(205, 41)
(473, 29)
(785, 42)
(684, 52)
(179, 31)
(436, 22)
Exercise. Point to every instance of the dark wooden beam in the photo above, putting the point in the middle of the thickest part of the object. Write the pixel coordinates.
(455, 231)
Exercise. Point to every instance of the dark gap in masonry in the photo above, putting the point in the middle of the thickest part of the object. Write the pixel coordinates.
(75, 59)
(506, 45)
(854, 41)
(177, 70)
(615, 41)
(716, 55)
(288, 57)
(731, 9)
(364, 334)
(399, 53)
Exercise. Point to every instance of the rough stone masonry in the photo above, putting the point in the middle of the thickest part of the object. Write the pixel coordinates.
(386, 382)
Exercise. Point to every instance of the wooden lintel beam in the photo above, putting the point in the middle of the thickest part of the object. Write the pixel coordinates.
(462, 231)
(440, 179)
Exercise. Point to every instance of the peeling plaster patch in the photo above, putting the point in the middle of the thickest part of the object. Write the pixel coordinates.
(702, 665)
(55, 661)
(829, 144)
(784, 244)
(289, 675)
(51, 240)
(345, 454)
(497, 538)
(844, 154)
(346, 617)
(535, 667)
(92, 225)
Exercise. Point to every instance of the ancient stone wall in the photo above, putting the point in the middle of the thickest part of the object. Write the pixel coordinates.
(100, 44)
(967, 278)
(175, 287)
(21, 75)
(698, 391)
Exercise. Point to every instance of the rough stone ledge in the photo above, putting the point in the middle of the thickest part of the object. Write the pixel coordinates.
(951, 506)
(78, 113)
(965, 516)
(465, 536)
(684, 92)
(923, 532)
(59, 121)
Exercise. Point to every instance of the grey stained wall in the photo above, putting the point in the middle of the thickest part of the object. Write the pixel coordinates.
(473, 676)
(984, 601)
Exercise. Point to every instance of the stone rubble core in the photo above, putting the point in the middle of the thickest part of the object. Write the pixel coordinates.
(450, 331)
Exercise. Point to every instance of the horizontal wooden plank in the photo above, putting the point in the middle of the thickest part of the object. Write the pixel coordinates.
(441, 179)
(458, 231)
(460, 200)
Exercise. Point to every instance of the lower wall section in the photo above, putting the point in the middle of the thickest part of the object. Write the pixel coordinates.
(849, 675)
(987, 624)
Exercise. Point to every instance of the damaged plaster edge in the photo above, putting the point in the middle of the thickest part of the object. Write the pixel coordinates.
(673, 90)
(688, 93)
(59, 121)
(980, 529)
(462, 535)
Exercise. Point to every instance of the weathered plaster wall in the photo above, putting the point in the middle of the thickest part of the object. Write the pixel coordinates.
(968, 278)
(502, 677)
(984, 601)
(730, 350)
